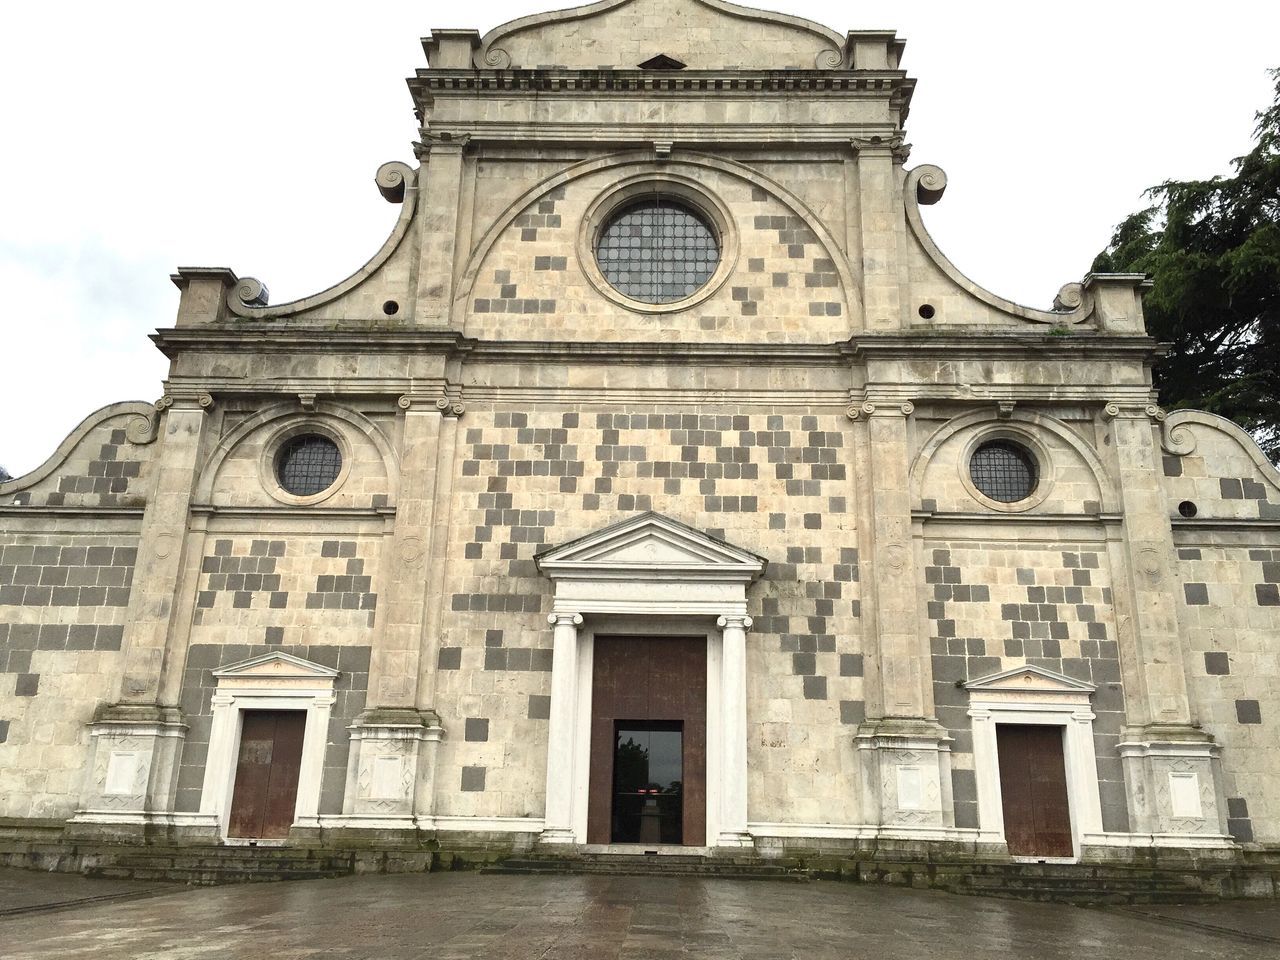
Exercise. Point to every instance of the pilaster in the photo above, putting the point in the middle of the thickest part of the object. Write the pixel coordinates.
(878, 215)
(440, 202)
(1170, 763)
(135, 742)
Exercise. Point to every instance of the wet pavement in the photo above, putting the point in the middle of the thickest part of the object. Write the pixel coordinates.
(452, 916)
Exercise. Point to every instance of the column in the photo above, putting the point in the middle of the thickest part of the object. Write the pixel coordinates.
(135, 741)
(387, 740)
(904, 751)
(733, 732)
(1162, 737)
(561, 727)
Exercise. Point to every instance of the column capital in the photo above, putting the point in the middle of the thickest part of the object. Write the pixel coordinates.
(565, 619)
(741, 621)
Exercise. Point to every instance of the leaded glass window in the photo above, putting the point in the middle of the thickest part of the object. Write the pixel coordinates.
(308, 464)
(1004, 471)
(657, 251)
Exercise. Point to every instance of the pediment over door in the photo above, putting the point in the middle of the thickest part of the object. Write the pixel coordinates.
(647, 561)
(275, 669)
(1030, 683)
(654, 545)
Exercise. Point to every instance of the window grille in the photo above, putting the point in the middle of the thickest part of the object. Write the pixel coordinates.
(657, 251)
(1004, 471)
(308, 464)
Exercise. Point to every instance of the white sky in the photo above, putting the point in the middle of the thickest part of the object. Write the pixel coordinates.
(142, 136)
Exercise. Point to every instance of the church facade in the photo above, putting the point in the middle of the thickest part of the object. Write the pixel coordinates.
(658, 484)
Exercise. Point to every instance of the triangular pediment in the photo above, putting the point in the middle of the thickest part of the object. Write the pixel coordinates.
(1029, 679)
(662, 62)
(653, 545)
(276, 666)
(704, 34)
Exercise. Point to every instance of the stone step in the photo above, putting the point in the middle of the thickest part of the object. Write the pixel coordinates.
(622, 865)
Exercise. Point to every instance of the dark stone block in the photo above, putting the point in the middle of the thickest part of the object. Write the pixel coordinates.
(850, 664)
(1231, 488)
(450, 658)
(1172, 466)
(539, 707)
(4, 730)
(949, 669)
(476, 729)
(1248, 711)
(803, 664)
(1217, 663)
(964, 786)
(28, 685)
(1237, 808)
(473, 777)
(1241, 830)
(1197, 594)
(1268, 594)
(81, 636)
(852, 711)
(815, 688)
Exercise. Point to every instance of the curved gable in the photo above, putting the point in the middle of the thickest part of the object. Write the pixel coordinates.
(622, 34)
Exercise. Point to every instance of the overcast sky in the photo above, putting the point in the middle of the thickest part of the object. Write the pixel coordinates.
(143, 136)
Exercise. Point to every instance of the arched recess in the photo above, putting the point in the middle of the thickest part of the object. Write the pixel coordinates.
(642, 161)
(1178, 440)
(280, 411)
(1030, 422)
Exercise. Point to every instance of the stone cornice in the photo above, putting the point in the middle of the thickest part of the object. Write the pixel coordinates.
(972, 343)
(648, 83)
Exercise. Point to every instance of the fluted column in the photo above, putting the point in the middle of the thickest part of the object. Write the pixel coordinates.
(733, 732)
(558, 818)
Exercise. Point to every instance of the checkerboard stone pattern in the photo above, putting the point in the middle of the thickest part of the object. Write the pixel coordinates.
(783, 287)
(1231, 619)
(103, 470)
(287, 589)
(199, 686)
(994, 606)
(1221, 480)
(63, 600)
(776, 484)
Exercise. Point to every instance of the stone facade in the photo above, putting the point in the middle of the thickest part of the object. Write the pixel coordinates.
(530, 458)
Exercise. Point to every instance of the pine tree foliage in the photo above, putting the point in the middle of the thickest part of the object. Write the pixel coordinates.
(1212, 250)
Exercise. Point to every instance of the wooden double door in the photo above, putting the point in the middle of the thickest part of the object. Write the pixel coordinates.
(648, 741)
(1033, 791)
(266, 788)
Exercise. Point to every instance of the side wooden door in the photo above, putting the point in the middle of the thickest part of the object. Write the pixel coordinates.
(266, 787)
(1033, 788)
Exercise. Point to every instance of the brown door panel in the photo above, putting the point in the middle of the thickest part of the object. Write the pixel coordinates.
(1033, 787)
(648, 678)
(266, 787)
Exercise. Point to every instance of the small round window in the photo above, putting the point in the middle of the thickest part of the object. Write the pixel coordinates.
(657, 250)
(1004, 471)
(308, 464)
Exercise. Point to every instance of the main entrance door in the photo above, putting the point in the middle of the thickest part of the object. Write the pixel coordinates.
(648, 741)
(266, 788)
(1033, 789)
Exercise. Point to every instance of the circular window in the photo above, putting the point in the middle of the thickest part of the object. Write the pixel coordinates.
(657, 250)
(1004, 471)
(308, 464)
